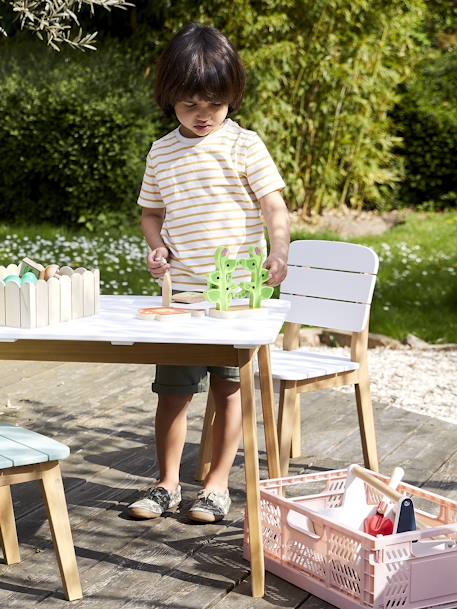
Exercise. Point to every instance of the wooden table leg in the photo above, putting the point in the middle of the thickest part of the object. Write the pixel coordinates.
(268, 408)
(251, 466)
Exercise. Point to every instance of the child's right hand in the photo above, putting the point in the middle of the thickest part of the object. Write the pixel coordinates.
(157, 262)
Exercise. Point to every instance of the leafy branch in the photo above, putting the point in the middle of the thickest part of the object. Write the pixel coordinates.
(55, 20)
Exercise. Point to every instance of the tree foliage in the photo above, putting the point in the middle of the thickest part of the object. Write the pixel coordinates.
(323, 75)
(426, 119)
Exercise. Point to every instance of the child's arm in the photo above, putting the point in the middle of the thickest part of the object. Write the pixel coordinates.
(151, 223)
(276, 217)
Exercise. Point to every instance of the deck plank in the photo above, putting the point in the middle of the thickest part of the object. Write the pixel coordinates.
(105, 413)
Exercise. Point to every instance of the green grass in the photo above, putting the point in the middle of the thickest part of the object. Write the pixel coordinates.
(416, 291)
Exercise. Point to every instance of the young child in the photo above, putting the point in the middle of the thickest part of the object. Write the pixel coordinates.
(207, 183)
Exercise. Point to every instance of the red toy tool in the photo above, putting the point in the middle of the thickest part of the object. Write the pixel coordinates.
(378, 524)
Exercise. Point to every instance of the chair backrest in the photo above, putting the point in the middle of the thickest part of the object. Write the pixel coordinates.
(330, 284)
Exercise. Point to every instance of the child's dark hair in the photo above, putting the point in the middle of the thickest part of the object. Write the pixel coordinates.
(199, 60)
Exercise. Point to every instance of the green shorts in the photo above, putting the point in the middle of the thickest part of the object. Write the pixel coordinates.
(187, 380)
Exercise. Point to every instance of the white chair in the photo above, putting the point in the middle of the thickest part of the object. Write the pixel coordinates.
(329, 285)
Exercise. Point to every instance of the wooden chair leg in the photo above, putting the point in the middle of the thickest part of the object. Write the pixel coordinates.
(8, 531)
(366, 423)
(295, 447)
(204, 457)
(56, 505)
(286, 417)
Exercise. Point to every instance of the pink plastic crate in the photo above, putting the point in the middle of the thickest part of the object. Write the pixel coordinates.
(347, 567)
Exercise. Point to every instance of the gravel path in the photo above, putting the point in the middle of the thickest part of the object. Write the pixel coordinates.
(422, 381)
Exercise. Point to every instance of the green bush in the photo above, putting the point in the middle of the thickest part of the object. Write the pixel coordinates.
(74, 134)
(426, 118)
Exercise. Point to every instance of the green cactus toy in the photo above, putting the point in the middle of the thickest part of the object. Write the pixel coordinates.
(255, 289)
(221, 287)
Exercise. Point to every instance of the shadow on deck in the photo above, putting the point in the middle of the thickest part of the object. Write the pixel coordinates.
(105, 413)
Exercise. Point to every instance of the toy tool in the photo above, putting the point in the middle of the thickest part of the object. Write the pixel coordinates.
(363, 474)
(405, 519)
(378, 524)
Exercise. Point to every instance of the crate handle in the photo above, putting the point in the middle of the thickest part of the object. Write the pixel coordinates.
(302, 524)
(433, 547)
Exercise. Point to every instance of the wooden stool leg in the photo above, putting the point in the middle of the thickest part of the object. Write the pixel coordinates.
(56, 505)
(204, 457)
(286, 417)
(8, 531)
(366, 423)
(295, 447)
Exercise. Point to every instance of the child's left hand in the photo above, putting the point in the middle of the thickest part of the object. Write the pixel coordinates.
(277, 267)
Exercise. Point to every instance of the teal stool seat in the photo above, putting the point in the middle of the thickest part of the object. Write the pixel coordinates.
(26, 455)
(19, 446)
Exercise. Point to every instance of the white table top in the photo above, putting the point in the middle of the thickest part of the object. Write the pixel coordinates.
(117, 323)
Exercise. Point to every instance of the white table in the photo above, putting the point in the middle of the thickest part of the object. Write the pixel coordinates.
(116, 335)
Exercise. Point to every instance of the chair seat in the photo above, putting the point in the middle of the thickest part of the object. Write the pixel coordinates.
(302, 364)
(19, 446)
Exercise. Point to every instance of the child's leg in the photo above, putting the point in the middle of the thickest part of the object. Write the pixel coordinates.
(226, 432)
(170, 436)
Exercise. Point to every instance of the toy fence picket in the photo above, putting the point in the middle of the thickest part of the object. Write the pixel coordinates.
(73, 295)
(347, 567)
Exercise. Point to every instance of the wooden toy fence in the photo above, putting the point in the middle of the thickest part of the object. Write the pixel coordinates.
(48, 302)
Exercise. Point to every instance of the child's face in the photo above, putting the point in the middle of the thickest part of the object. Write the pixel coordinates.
(199, 117)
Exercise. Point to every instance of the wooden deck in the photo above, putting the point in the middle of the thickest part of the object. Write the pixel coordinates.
(105, 413)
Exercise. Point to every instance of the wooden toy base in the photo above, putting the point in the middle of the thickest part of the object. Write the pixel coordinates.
(239, 311)
(163, 313)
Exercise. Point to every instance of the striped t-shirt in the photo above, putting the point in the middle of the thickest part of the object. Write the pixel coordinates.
(209, 187)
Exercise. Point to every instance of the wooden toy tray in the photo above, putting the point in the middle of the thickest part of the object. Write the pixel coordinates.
(71, 296)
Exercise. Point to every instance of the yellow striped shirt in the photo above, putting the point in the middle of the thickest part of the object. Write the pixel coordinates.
(209, 187)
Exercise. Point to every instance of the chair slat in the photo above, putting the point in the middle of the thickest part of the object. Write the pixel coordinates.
(20, 454)
(350, 287)
(25, 447)
(301, 364)
(5, 463)
(334, 255)
(334, 314)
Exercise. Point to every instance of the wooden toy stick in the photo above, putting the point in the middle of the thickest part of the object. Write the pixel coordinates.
(166, 290)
